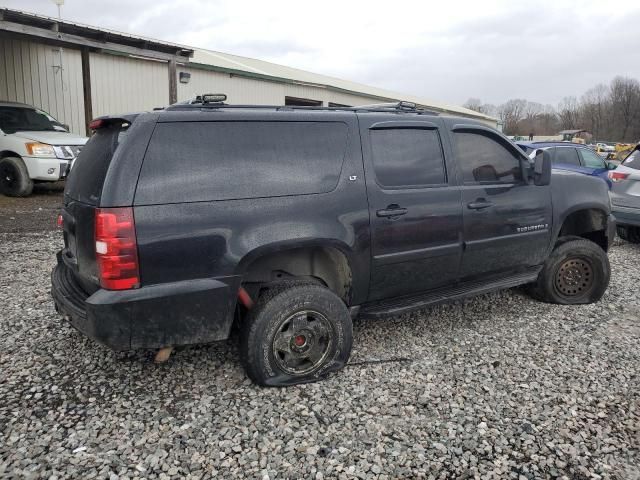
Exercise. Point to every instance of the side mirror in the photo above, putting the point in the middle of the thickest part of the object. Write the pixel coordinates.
(542, 168)
(611, 166)
(66, 127)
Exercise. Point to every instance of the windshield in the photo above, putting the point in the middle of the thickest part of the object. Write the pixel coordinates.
(17, 119)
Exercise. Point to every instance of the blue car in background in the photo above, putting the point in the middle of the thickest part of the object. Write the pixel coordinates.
(574, 157)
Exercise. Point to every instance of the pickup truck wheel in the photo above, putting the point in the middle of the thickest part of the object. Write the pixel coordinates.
(295, 334)
(14, 178)
(577, 271)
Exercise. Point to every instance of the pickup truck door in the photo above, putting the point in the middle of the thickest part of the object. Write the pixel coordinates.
(507, 219)
(414, 205)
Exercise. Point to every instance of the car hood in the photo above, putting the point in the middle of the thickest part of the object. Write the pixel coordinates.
(53, 138)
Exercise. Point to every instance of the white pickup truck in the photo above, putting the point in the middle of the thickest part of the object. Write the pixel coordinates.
(34, 147)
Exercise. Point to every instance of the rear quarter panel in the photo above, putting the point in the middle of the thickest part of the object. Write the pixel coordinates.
(217, 239)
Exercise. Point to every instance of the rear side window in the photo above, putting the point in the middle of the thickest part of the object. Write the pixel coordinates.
(90, 168)
(633, 160)
(484, 159)
(566, 155)
(591, 159)
(404, 157)
(204, 161)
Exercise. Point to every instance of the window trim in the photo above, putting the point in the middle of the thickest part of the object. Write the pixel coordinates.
(409, 126)
(498, 138)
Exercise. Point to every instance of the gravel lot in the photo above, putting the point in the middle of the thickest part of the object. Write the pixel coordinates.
(499, 386)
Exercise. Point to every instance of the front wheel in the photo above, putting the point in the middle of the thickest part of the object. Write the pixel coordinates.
(576, 272)
(295, 334)
(14, 178)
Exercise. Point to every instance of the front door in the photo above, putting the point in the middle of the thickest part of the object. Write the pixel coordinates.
(507, 219)
(414, 206)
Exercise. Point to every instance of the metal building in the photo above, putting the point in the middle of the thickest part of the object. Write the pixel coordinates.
(78, 72)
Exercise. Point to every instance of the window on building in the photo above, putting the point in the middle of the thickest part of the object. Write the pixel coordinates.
(484, 159)
(404, 157)
(302, 102)
(566, 155)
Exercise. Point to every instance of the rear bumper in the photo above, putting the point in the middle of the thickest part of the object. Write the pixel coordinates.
(178, 313)
(627, 215)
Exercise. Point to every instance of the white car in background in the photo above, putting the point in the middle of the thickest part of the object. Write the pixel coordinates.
(34, 147)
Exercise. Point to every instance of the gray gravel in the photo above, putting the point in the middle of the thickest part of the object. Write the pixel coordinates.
(499, 386)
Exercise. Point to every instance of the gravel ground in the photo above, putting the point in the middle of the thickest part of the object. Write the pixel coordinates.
(35, 213)
(499, 386)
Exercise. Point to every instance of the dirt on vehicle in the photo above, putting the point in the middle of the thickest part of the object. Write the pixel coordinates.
(35, 213)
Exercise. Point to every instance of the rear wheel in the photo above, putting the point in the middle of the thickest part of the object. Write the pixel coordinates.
(295, 334)
(577, 271)
(14, 178)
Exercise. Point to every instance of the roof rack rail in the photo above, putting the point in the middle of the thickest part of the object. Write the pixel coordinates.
(401, 105)
(397, 107)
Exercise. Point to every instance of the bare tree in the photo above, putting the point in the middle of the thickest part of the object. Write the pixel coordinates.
(511, 112)
(625, 102)
(474, 104)
(568, 113)
(594, 110)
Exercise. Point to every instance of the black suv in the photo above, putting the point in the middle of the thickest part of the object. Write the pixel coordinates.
(289, 222)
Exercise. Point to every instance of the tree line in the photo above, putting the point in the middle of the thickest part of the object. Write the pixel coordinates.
(609, 112)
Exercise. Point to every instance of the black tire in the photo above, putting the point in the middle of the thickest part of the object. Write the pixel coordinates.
(14, 178)
(295, 333)
(629, 233)
(576, 272)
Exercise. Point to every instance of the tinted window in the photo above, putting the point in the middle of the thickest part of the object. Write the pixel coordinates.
(591, 159)
(405, 157)
(16, 119)
(633, 160)
(566, 155)
(90, 168)
(200, 161)
(484, 160)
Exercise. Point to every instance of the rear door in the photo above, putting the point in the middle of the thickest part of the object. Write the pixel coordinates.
(414, 205)
(567, 158)
(625, 191)
(506, 219)
(593, 163)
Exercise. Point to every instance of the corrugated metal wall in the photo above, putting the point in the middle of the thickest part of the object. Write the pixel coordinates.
(242, 90)
(30, 73)
(122, 84)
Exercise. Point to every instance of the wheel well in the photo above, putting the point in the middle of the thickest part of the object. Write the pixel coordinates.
(590, 224)
(8, 153)
(327, 264)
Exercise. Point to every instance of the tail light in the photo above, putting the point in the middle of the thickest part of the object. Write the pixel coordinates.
(617, 176)
(117, 249)
(60, 221)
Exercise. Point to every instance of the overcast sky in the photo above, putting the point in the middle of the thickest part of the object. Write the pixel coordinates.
(448, 50)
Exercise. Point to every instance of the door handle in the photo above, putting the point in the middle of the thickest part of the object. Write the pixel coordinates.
(479, 204)
(392, 211)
